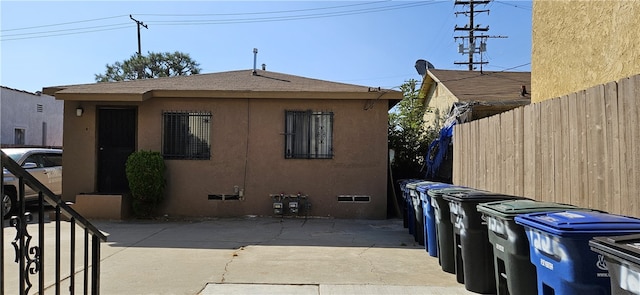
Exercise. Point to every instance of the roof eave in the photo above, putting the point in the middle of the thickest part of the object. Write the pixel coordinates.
(138, 97)
(132, 97)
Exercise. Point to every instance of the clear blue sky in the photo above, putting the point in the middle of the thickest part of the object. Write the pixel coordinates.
(375, 44)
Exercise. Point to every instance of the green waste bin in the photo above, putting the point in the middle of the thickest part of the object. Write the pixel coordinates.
(474, 254)
(444, 227)
(514, 272)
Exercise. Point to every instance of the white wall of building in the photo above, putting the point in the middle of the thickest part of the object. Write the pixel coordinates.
(38, 116)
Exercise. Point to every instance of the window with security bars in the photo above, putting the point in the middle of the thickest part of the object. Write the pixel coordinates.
(308, 135)
(186, 135)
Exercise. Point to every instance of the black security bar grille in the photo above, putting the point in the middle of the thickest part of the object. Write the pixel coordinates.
(308, 135)
(186, 135)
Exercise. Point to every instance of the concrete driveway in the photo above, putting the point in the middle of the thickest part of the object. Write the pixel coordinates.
(256, 255)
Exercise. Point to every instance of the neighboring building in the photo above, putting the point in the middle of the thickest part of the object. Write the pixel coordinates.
(232, 139)
(489, 93)
(579, 44)
(29, 119)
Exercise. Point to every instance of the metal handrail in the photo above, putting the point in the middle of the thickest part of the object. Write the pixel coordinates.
(29, 260)
(51, 198)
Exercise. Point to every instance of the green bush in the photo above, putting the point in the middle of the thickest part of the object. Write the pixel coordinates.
(145, 173)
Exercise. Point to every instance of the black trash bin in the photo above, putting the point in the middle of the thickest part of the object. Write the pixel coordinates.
(444, 227)
(622, 254)
(406, 199)
(416, 203)
(513, 271)
(474, 252)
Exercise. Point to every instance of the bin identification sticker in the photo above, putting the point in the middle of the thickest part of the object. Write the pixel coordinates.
(546, 264)
(629, 279)
(499, 247)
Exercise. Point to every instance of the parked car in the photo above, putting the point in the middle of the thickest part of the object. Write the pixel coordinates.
(44, 164)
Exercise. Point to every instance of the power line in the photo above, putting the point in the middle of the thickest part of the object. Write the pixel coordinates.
(291, 17)
(64, 30)
(66, 34)
(82, 30)
(62, 24)
(487, 73)
(266, 12)
(523, 7)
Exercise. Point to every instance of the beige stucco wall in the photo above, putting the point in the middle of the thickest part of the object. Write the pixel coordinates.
(247, 144)
(439, 101)
(579, 44)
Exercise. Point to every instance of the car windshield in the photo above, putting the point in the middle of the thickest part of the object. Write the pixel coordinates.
(14, 154)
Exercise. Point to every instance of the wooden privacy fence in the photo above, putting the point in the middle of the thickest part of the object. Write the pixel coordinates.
(581, 149)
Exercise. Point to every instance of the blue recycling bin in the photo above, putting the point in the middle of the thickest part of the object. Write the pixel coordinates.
(416, 209)
(405, 199)
(559, 249)
(428, 217)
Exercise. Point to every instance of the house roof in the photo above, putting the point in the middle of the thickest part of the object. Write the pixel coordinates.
(486, 86)
(232, 84)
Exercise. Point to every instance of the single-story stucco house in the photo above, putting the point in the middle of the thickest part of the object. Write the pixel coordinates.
(231, 140)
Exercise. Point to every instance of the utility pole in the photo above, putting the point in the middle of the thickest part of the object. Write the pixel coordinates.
(472, 49)
(139, 24)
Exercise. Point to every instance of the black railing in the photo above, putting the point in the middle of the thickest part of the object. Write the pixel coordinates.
(31, 259)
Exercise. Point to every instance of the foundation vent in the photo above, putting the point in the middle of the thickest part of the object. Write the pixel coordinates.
(354, 199)
(224, 197)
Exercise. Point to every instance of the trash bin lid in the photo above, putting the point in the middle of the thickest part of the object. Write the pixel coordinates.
(624, 247)
(423, 188)
(510, 208)
(441, 192)
(480, 197)
(573, 222)
(415, 184)
(403, 183)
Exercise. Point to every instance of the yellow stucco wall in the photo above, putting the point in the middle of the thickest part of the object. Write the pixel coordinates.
(439, 101)
(578, 44)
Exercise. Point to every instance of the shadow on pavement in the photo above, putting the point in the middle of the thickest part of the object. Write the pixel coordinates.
(233, 233)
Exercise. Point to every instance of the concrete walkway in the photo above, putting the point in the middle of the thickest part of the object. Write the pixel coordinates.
(257, 255)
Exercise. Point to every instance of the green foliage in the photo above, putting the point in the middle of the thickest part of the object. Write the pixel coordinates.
(145, 173)
(153, 65)
(408, 136)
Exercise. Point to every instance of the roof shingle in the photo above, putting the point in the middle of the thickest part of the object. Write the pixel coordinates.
(484, 86)
(242, 81)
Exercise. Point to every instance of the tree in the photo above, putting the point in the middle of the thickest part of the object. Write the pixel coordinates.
(408, 136)
(153, 65)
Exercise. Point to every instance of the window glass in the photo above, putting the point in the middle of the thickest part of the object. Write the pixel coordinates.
(186, 135)
(36, 159)
(308, 135)
(52, 160)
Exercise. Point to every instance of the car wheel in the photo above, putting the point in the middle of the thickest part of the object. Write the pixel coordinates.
(8, 202)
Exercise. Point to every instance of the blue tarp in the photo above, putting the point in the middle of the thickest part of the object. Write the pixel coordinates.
(439, 158)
